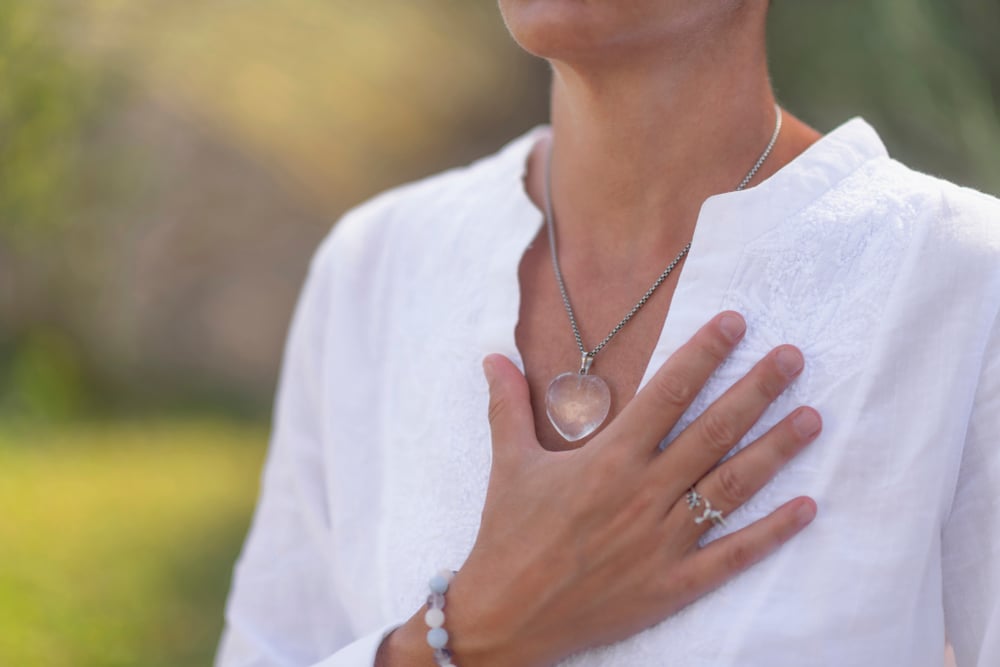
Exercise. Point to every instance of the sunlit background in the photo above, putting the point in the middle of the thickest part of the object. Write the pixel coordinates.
(166, 169)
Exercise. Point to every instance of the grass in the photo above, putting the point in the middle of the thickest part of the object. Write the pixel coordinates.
(117, 540)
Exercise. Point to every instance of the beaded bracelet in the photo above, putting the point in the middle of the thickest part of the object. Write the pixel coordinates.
(437, 636)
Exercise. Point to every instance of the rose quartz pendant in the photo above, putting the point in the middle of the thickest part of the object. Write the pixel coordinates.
(577, 403)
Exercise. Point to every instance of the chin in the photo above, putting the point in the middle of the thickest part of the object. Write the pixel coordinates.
(555, 28)
(578, 30)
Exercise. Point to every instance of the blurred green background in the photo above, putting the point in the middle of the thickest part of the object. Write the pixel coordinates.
(166, 169)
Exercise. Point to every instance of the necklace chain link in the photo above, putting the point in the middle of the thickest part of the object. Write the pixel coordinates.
(588, 357)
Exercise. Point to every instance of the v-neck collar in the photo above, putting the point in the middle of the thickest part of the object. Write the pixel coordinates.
(726, 223)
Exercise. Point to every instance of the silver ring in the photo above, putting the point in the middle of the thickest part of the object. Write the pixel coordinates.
(696, 500)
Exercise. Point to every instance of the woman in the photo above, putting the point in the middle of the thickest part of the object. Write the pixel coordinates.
(838, 282)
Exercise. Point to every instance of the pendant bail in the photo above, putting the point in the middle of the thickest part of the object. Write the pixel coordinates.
(586, 361)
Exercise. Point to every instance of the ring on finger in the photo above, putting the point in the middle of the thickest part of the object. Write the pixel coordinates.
(695, 501)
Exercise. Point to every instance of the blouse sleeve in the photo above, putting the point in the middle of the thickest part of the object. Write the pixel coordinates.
(282, 608)
(971, 537)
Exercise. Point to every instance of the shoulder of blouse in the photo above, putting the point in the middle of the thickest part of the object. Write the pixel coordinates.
(956, 228)
(966, 214)
(366, 229)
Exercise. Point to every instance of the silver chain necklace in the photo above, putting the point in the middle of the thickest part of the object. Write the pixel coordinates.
(578, 403)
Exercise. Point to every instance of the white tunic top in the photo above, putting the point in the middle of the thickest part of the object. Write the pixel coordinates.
(887, 279)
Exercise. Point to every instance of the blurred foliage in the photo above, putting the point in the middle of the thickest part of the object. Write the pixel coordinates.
(51, 99)
(925, 73)
(118, 540)
(46, 100)
(344, 96)
(46, 373)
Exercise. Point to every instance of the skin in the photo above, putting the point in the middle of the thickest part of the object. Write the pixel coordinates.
(628, 186)
(656, 105)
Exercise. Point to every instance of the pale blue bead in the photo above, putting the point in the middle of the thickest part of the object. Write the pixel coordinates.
(439, 584)
(437, 637)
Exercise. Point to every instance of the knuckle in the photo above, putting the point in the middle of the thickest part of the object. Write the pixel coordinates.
(718, 431)
(606, 471)
(682, 584)
(734, 490)
(784, 442)
(613, 464)
(739, 557)
(768, 386)
(715, 347)
(646, 499)
(674, 390)
(498, 406)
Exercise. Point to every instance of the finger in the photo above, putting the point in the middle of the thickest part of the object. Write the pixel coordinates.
(732, 483)
(720, 561)
(653, 412)
(717, 430)
(512, 425)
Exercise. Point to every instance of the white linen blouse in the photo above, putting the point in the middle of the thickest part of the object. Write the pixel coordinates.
(887, 279)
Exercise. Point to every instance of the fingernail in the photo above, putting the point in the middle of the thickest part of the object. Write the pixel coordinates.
(732, 326)
(805, 513)
(488, 370)
(806, 423)
(789, 361)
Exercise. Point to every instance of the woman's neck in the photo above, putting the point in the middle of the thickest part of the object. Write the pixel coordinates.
(639, 147)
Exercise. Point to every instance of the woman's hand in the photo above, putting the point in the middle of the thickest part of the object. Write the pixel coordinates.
(586, 547)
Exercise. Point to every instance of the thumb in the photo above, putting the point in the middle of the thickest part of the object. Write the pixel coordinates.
(512, 424)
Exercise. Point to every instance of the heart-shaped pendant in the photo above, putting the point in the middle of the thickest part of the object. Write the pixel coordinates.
(577, 404)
